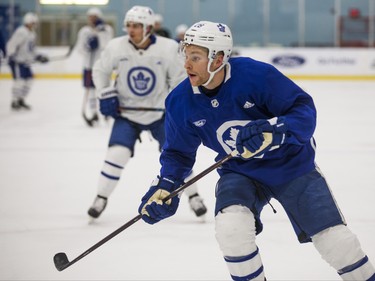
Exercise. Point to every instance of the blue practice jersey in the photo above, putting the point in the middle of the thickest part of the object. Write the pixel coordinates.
(252, 90)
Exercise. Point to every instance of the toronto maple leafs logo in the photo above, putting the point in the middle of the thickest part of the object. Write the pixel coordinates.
(221, 27)
(231, 139)
(141, 81)
(227, 134)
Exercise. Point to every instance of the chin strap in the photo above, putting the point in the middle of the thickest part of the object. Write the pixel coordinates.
(212, 73)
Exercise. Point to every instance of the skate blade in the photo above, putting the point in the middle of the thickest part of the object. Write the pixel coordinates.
(92, 220)
(202, 218)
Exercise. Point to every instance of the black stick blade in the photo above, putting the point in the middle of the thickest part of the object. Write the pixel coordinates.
(61, 261)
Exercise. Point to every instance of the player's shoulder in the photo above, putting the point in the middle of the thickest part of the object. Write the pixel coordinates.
(247, 61)
(247, 64)
(108, 28)
(21, 30)
(86, 28)
(118, 41)
(160, 40)
(180, 92)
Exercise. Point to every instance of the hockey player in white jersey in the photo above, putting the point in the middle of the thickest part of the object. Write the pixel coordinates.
(147, 68)
(230, 105)
(21, 52)
(92, 38)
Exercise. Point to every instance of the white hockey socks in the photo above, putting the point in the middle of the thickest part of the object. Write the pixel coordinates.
(115, 161)
(341, 249)
(21, 88)
(235, 233)
(92, 101)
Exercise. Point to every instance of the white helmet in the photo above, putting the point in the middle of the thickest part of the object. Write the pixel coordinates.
(30, 18)
(140, 14)
(158, 18)
(143, 15)
(181, 28)
(95, 12)
(216, 37)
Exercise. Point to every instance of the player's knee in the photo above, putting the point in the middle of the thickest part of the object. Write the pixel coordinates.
(235, 231)
(338, 246)
(115, 161)
(118, 155)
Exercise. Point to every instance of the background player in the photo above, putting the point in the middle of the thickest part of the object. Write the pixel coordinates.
(147, 68)
(21, 52)
(228, 104)
(92, 38)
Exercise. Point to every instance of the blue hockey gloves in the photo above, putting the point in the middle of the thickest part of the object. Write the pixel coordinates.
(108, 102)
(251, 136)
(93, 43)
(42, 59)
(152, 207)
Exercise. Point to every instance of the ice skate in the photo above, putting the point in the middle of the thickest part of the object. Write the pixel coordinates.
(97, 207)
(15, 106)
(196, 204)
(91, 121)
(19, 104)
(23, 105)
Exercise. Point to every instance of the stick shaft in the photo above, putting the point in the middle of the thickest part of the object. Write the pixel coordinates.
(104, 240)
(62, 57)
(125, 108)
(139, 216)
(268, 141)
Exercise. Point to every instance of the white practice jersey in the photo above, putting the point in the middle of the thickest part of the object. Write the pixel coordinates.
(21, 45)
(104, 33)
(144, 78)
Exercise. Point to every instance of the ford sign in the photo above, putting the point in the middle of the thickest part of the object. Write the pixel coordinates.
(288, 61)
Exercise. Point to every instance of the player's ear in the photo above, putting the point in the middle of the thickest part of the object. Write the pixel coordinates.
(150, 29)
(219, 60)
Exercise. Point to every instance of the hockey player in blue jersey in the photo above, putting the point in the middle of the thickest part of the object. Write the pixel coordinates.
(229, 104)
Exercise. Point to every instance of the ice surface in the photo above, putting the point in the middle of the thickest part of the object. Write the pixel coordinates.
(50, 162)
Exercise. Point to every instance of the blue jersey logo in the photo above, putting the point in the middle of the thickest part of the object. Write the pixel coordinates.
(141, 81)
(227, 134)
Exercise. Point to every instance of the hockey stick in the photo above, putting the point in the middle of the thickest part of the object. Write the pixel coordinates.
(125, 108)
(63, 57)
(61, 259)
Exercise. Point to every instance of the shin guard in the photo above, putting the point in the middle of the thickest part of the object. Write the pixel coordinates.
(235, 233)
(341, 249)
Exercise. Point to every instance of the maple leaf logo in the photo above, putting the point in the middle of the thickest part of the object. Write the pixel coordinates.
(233, 136)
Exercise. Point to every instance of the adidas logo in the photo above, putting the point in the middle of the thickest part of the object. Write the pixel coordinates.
(248, 104)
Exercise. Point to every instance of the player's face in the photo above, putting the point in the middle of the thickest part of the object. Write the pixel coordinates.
(196, 61)
(135, 31)
(92, 20)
